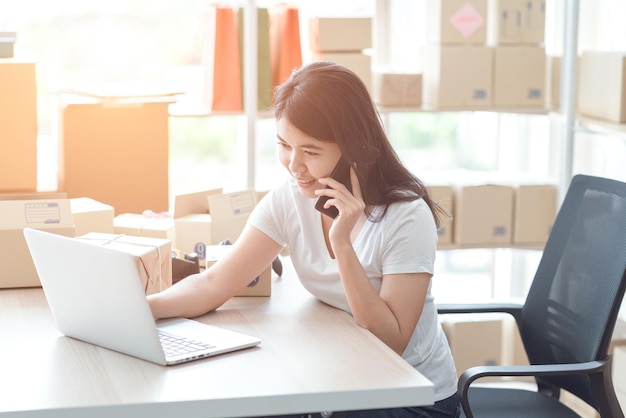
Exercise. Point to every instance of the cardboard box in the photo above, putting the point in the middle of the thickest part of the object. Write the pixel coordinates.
(456, 22)
(18, 126)
(516, 22)
(475, 340)
(359, 63)
(397, 89)
(504, 22)
(7, 44)
(115, 150)
(553, 81)
(458, 76)
(48, 214)
(533, 21)
(483, 214)
(443, 195)
(602, 85)
(534, 213)
(261, 286)
(519, 76)
(619, 375)
(340, 34)
(618, 338)
(91, 216)
(144, 226)
(210, 217)
(619, 368)
(154, 259)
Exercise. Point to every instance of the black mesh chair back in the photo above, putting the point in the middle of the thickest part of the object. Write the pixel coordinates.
(573, 302)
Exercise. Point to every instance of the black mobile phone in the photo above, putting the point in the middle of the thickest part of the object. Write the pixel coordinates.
(341, 173)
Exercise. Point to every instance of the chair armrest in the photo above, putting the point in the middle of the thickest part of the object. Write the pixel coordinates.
(474, 373)
(514, 309)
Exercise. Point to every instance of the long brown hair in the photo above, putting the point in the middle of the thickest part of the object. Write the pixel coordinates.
(329, 102)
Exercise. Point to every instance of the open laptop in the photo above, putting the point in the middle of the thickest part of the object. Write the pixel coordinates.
(96, 295)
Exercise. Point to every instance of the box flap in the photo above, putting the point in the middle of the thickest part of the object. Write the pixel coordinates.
(232, 204)
(87, 204)
(187, 204)
(37, 214)
(32, 196)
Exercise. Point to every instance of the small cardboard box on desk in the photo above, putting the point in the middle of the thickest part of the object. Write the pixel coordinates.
(147, 224)
(210, 217)
(91, 216)
(153, 256)
(261, 286)
(47, 212)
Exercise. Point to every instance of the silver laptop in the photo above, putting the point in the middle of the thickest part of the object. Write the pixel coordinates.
(96, 295)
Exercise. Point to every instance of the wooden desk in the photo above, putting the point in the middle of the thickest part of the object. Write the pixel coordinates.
(312, 358)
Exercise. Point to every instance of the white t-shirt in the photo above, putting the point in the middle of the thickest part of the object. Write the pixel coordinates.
(404, 241)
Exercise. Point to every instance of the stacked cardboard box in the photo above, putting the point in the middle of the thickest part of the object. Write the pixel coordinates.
(343, 40)
(485, 214)
(516, 31)
(207, 218)
(456, 63)
(50, 212)
(484, 53)
(18, 126)
(115, 149)
(602, 85)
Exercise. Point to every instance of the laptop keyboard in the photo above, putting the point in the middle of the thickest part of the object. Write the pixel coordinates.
(175, 346)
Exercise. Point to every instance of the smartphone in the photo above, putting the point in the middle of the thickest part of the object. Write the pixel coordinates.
(341, 173)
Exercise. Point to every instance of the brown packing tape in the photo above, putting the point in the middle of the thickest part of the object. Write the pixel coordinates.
(154, 271)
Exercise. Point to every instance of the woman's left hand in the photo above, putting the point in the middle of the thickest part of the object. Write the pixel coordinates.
(350, 206)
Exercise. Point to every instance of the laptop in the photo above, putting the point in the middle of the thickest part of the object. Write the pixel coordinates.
(96, 295)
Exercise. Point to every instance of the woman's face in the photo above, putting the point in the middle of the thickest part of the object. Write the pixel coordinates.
(307, 159)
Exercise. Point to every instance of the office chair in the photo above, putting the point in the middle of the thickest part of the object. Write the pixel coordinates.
(567, 320)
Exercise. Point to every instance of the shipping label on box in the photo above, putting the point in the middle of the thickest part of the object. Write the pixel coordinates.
(483, 214)
(457, 76)
(144, 226)
(153, 256)
(91, 216)
(456, 22)
(48, 214)
(260, 286)
(340, 34)
(397, 89)
(534, 213)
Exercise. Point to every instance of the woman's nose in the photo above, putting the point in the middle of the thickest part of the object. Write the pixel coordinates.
(295, 164)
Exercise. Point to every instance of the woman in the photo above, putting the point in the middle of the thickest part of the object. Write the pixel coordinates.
(374, 259)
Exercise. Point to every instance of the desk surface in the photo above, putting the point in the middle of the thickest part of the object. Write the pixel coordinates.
(312, 358)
